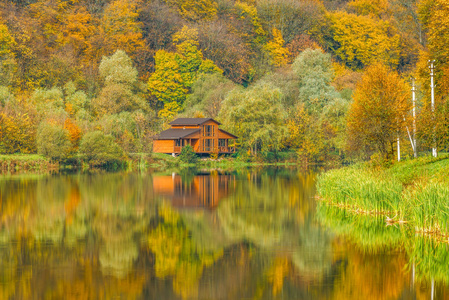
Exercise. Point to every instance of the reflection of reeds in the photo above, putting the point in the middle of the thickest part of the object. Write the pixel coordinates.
(430, 259)
(368, 232)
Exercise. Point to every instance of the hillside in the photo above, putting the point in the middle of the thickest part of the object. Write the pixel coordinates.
(126, 68)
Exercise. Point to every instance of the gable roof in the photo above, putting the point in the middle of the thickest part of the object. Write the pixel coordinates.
(191, 121)
(173, 134)
(236, 137)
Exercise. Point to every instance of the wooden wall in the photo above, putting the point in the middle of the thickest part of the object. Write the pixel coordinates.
(163, 146)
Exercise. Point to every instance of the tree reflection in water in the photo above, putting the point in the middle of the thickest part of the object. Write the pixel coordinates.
(243, 234)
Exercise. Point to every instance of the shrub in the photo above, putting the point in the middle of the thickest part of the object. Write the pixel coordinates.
(187, 155)
(53, 141)
(100, 150)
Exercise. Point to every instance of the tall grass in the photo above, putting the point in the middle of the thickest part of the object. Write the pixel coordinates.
(415, 190)
(427, 205)
(362, 188)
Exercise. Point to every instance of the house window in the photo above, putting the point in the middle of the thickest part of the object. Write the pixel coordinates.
(221, 142)
(177, 143)
(208, 144)
(208, 130)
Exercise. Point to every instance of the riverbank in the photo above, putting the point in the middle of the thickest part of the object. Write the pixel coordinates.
(20, 163)
(412, 191)
(26, 163)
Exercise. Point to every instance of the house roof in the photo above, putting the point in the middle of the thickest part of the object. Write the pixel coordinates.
(236, 137)
(172, 134)
(191, 121)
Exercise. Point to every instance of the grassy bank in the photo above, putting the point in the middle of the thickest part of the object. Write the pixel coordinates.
(134, 161)
(25, 163)
(415, 191)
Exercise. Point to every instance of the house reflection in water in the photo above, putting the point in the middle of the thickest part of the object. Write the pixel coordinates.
(202, 190)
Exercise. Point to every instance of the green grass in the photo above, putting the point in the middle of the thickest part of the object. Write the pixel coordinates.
(414, 190)
(362, 188)
(22, 157)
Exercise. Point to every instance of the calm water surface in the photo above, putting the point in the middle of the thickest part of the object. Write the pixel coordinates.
(249, 234)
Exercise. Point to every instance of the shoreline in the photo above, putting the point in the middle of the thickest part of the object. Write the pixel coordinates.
(413, 191)
(34, 163)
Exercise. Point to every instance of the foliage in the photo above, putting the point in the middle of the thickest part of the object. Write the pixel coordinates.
(315, 73)
(291, 17)
(256, 116)
(196, 10)
(119, 93)
(8, 63)
(53, 141)
(360, 41)
(100, 150)
(91, 61)
(415, 190)
(122, 28)
(377, 116)
(208, 93)
(188, 156)
(176, 72)
(18, 126)
(130, 130)
(275, 48)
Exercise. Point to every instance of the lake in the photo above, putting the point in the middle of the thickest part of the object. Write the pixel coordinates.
(246, 234)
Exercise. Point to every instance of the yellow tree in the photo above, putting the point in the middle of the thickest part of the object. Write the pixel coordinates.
(194, 10)
(275, 48)
(361, 40)
(376, 116)
(7, 61)
(176, 72)
(76, 29)
(121, 27)
(433, 126)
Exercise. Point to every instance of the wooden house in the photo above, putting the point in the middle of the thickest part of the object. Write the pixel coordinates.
(202, 134)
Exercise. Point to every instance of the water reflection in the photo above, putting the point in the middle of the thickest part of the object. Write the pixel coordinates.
(243, 234)
(194, 191)
(391, 260)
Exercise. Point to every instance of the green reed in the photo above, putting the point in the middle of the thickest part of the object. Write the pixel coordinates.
(427, 205)
(415, 190)
(363, 188)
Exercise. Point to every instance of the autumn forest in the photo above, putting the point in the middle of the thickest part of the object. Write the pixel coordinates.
(313, 80)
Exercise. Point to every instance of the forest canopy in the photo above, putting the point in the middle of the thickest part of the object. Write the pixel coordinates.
(281, 74)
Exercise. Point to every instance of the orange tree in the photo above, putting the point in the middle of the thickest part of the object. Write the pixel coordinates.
(378, 112)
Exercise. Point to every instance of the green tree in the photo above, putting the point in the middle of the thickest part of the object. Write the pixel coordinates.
(176, 72)
(256, 116)
(208, 92)
(315, 74)
(99, 150)
(53, 141)
(120, 92)
(187, 155)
